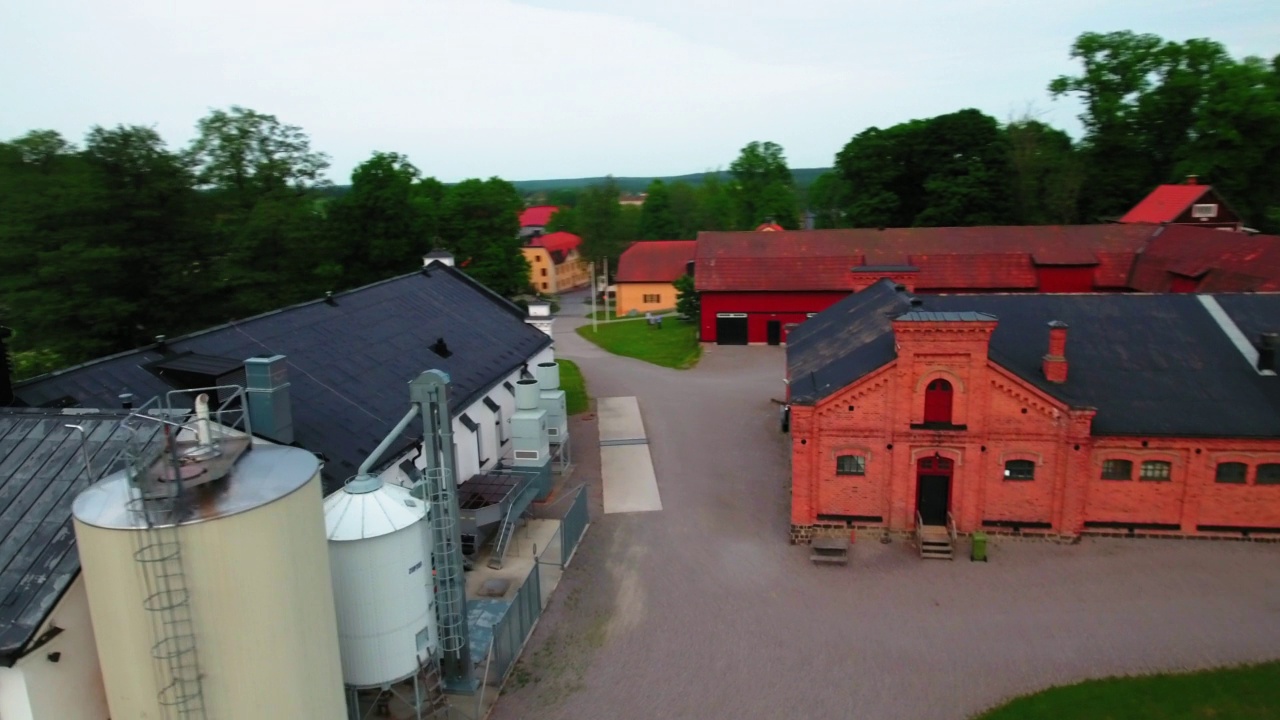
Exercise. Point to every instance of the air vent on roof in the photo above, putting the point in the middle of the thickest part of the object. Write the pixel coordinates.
(441, 348)
(916, 302)
(1204, 210)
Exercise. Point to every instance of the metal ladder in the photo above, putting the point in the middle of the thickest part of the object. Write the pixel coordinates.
(168, 600)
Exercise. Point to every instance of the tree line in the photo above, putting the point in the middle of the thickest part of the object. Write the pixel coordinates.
(107, 244)
(1155, 111)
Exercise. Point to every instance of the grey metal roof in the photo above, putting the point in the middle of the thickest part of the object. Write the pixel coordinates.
(928, 316)
(1149, 364)
(350, 359)
(42, 470)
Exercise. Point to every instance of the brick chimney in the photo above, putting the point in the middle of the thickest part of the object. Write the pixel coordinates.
(1193, 180)
(1055, 361)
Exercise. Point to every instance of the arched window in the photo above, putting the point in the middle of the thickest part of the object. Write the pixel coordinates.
(1231, 472)
(1158, 470)
(1020, 470)
(851, 465)
(937, 402)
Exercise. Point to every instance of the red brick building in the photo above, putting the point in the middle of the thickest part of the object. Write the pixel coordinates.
(757, 286)
(1055, 414)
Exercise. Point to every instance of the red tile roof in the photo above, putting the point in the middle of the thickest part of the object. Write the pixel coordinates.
(561, 242)
(1165, 204)
(1223, 261)
(655, 260)
(977, 258)
(537, 216)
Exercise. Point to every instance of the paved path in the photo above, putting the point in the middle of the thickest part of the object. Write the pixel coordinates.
(702, 610)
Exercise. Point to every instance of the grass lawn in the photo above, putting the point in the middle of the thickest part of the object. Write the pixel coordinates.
(1240, 693)
(674, 346)
(575, 388)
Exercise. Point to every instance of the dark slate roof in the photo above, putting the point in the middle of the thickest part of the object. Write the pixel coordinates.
(350, 359)
(844, 342)
(1253, 314)
(42, 469)
(1149, 364)
(934, 316)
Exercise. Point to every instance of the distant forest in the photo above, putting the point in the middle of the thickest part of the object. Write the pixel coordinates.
(109, 241)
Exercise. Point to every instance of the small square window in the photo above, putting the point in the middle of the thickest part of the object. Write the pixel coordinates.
(1020, 470)
(1231, 472)
(1268, 474)
(1155, 470)
(544, 272)
(1204, 210)
(851, 465)
(1117, 470)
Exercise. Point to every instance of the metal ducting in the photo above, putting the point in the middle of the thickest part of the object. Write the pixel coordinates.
(548, 374)
(527, 394)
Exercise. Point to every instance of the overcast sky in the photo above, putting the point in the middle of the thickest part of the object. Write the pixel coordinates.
(567, 88)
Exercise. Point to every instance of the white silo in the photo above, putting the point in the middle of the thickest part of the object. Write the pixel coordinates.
(207, 573)
(380, 555)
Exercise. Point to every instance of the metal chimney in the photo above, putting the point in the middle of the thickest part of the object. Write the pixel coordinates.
(267, 390)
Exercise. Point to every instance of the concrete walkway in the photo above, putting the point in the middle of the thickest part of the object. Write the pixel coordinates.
(704, 610)
(626, 468)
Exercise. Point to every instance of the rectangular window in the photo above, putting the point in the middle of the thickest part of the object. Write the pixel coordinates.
(1155, 470)
(544, 272)
(1231, 472)
(1204, 210)
(1268, 474)
(544, 286)
(851, 465)
(1020, 470)
(652, 298)
(1117, 470)
(526, 454)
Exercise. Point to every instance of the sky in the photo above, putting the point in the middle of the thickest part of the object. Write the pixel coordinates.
(568, 88)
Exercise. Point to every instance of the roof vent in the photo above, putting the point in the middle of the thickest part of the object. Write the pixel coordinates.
(160, 343)
(916, 302)
(1193, 180)
(440, 348)
(328, 298)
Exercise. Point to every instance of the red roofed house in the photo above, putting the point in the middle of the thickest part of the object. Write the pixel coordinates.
(554, 263)
(534, 220)
(756, 286)
(646, 272)
(1187, 204)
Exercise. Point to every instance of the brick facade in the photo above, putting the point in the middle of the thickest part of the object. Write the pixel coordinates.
(998, 417)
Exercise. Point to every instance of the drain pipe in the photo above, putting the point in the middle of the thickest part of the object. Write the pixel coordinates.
(365, 481)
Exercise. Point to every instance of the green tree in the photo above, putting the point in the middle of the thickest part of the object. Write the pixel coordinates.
(688, 303)
(248, 154)
(683, 200)
(600, 223)
(480, 225)
(657, 218)
(715, 205)
(949, 170)
(1047, 173)
(828, 197)
(762, 187)
(389, 210)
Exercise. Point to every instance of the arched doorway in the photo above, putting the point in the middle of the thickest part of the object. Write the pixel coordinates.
(933, 488)
(937, 402)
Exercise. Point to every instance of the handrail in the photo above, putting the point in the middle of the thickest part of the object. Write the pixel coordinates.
(951, 526)
(919, 531)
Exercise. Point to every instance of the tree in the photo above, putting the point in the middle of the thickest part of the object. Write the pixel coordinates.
(949, 170)
(828, 197)
(762, 187)
(688, 303)
(248, 154)
(683, 200)
(657, 219)
(599, 221)
(389, 210)
(480, 225)
(1047, 173)
(1155, 110)
(715, 206)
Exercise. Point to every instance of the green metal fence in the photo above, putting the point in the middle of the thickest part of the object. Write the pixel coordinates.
(573, 525)
(511, 632)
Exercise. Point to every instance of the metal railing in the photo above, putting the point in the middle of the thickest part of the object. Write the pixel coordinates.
(919, 531)
(951, 527)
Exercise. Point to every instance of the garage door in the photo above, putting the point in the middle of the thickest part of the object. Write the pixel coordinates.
(731, 328)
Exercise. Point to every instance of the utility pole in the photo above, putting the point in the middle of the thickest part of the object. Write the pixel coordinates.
(594, 323)
(606, 286)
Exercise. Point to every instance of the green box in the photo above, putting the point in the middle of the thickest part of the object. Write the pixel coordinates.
(978, 548)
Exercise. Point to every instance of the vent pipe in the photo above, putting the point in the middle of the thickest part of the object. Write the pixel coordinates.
(527, 394)
(1268, 349)
(1055, 361)
(6, 368)
(267, 391)
(441, 256)
(548, 374)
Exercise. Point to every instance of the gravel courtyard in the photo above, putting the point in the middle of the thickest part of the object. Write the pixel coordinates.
(703, 610)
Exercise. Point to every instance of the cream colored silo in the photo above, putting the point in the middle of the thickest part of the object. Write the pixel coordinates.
(255, 577)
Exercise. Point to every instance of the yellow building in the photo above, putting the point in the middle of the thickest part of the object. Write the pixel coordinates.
(647, 271)
(554, 263)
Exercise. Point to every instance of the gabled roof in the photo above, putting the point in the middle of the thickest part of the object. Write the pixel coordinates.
(42, 470)
(537, 216)
(1165, 204)
(349, 360)
(557, 242)
(1227, 261)
(977, 258)
(1149, 364)
(656, 260)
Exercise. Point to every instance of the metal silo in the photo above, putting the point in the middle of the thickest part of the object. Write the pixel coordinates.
(208, 579)
(380, 556)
